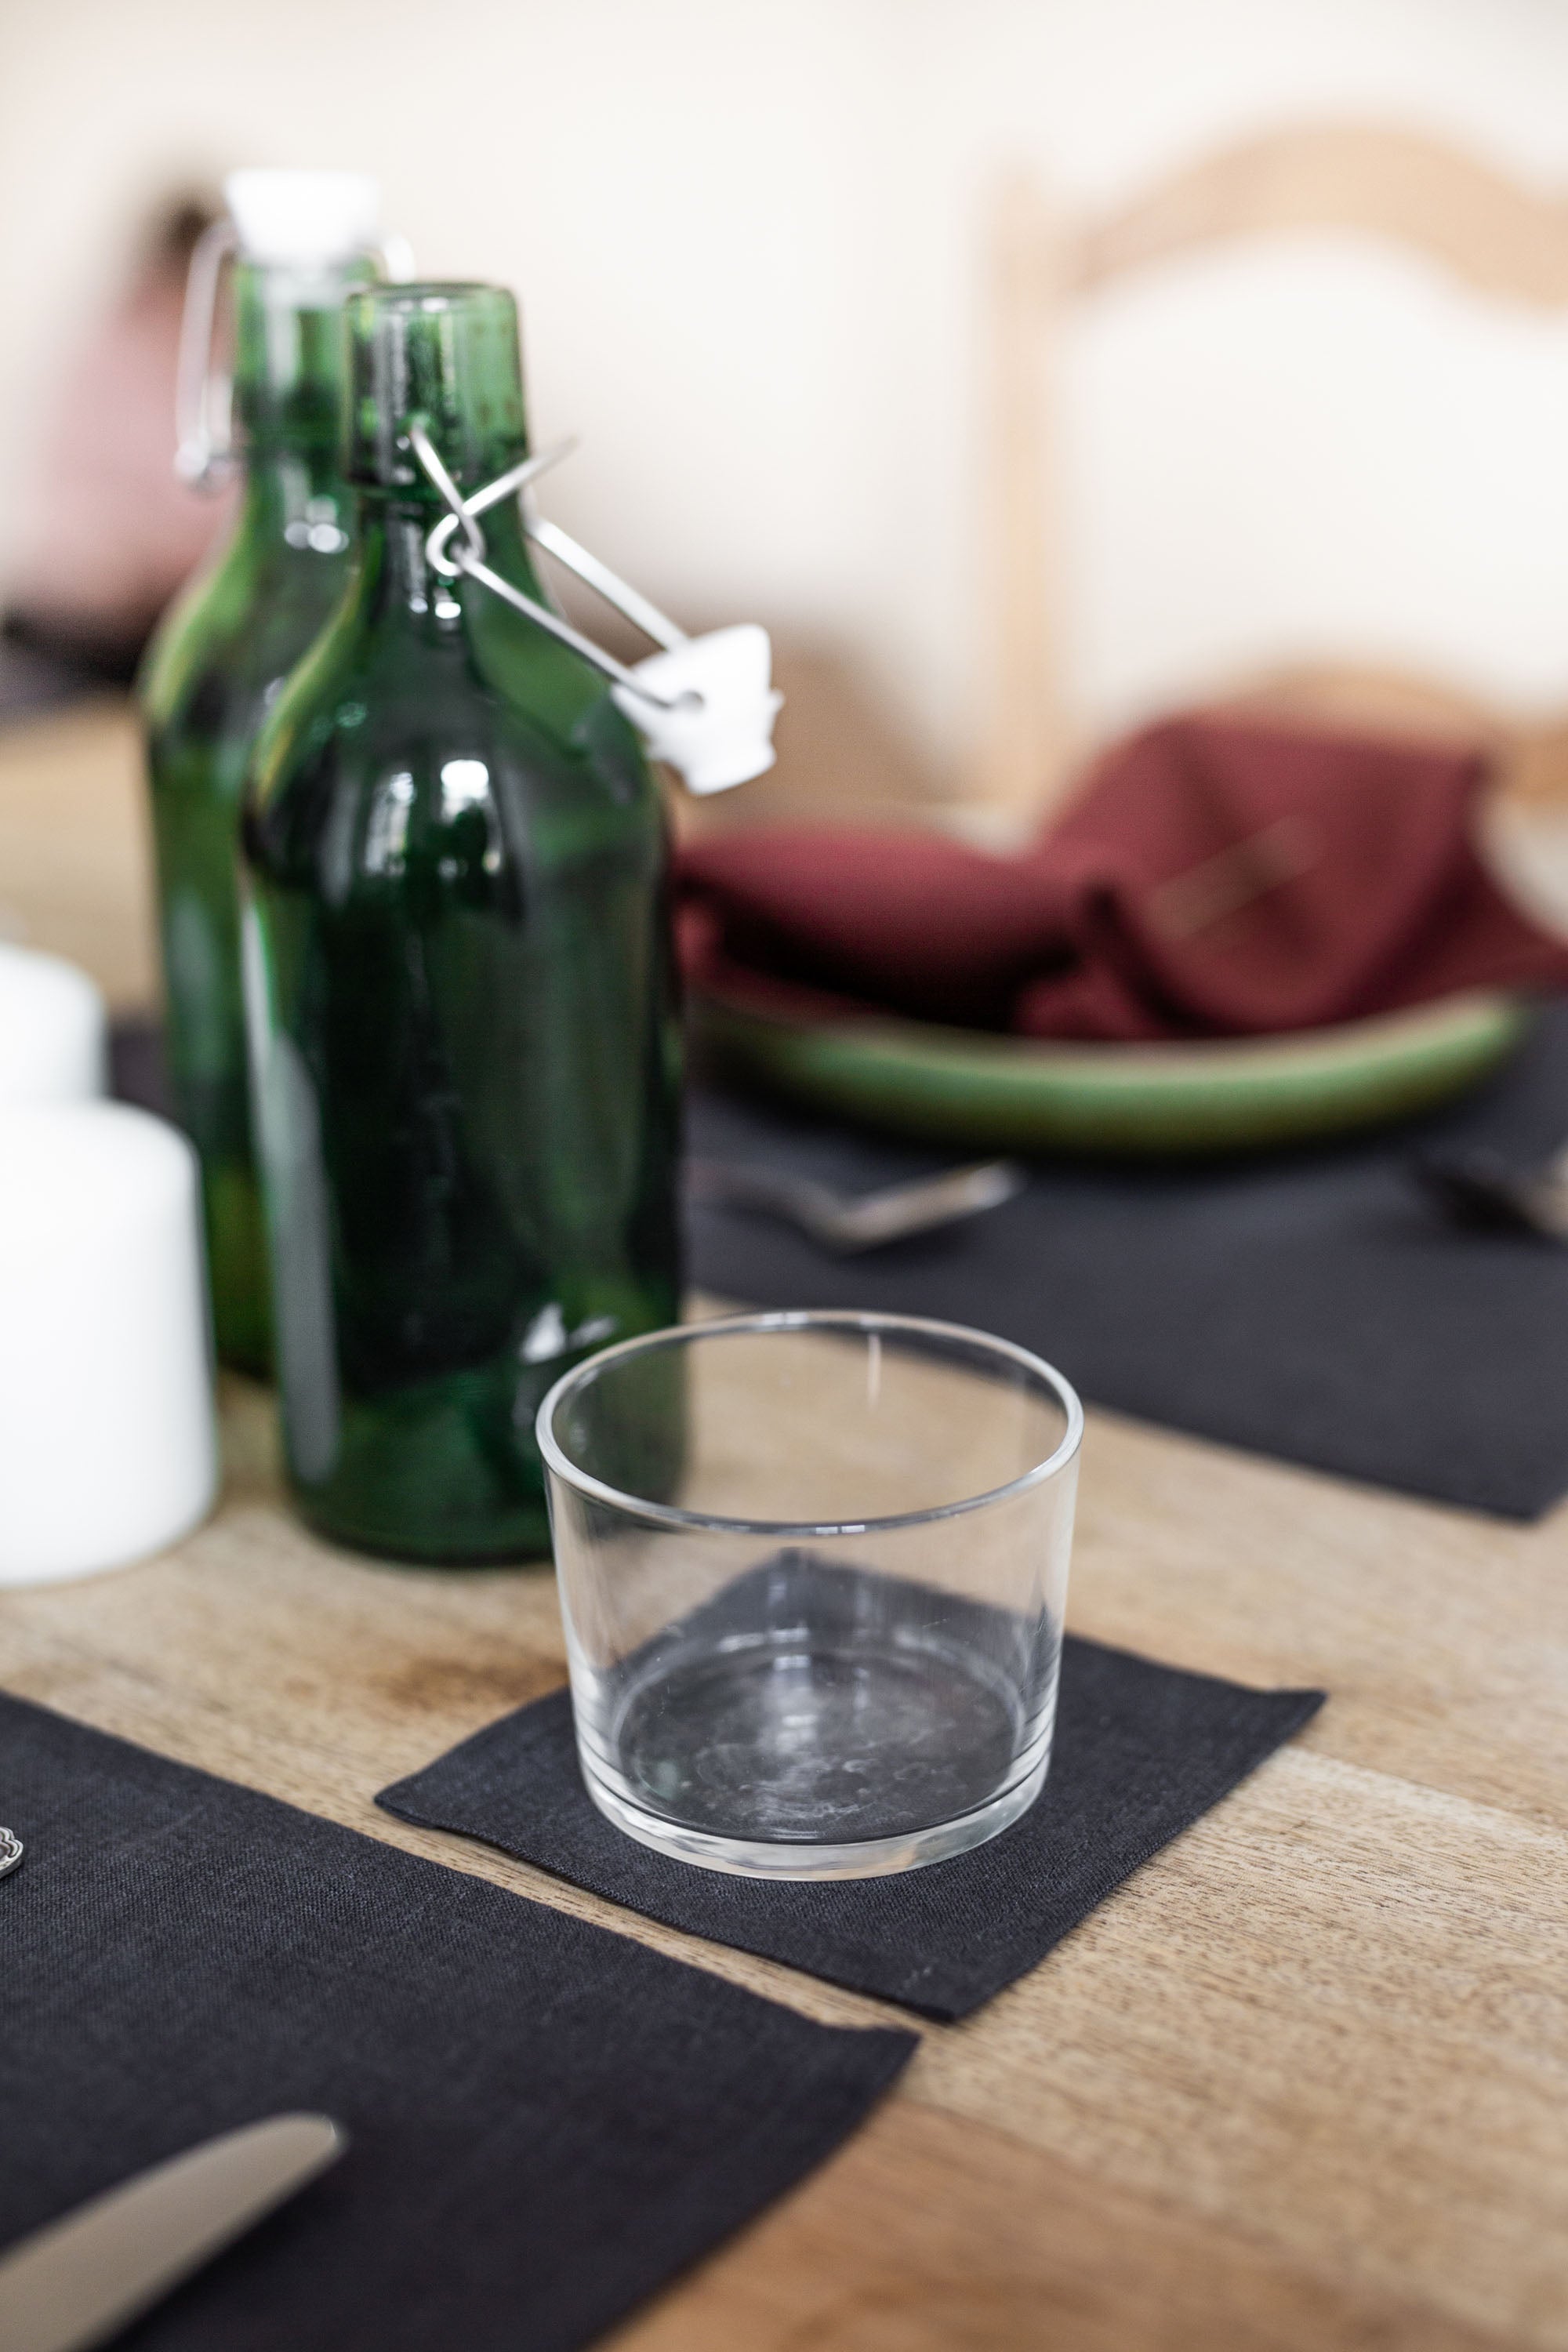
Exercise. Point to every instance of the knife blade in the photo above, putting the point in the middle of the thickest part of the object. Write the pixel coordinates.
(79, 2280)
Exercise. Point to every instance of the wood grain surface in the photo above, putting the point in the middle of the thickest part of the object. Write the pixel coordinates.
(75, 845)
(1301, 2082)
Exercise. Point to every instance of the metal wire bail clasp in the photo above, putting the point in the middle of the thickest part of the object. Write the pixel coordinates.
(703, 704)
(204, 406)
(204, 451)
(448, 558)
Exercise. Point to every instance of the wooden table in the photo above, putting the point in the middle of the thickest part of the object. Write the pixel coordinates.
(1301, 2082)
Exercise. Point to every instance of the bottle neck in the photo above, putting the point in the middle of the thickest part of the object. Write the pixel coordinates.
(289, 390)
(291, 367)
(297, 497)
(405, 587)
(434, 364)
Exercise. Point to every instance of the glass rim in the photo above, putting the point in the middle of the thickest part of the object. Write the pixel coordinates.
(669, 1515)
(429, 294)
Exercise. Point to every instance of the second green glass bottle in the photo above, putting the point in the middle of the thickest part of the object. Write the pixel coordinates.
(460, 989)
(215, 665)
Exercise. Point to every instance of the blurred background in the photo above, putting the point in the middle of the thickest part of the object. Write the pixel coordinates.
(751, 241)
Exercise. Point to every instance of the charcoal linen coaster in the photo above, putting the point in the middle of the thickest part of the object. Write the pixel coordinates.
(1315, 1304)
(1140, 1752)
(546, 2120)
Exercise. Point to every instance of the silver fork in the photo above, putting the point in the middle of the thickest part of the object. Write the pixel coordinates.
(1480, 1187)
(846, 1222)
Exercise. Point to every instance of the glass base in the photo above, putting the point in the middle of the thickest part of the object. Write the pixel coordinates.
(778, 1758)
(867, 1858)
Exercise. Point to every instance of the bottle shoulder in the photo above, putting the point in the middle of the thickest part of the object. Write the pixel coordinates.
(373, 698)
(386, 774)
(231, 637)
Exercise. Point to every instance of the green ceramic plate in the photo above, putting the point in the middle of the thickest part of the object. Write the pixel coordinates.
(1025, 1094)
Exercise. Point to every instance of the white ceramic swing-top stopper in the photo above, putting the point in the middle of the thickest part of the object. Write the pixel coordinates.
(303, 219)
(724, 735)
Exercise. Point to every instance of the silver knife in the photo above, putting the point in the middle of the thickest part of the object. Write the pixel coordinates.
(78, 2280)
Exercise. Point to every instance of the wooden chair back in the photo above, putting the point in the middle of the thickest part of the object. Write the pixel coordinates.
(1489, 233)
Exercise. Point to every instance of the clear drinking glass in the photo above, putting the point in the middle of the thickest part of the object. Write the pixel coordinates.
(813, 1569)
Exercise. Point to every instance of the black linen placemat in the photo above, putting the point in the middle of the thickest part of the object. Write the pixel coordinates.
(1142, 1751)
(546, 2119)
(1315, 1304)
(138, 1066)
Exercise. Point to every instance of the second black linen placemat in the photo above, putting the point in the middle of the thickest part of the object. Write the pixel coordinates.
(546, 2120)
(1315, 1304)
(1142, 1751)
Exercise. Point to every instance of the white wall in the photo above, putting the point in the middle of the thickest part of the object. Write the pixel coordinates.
(745, 235)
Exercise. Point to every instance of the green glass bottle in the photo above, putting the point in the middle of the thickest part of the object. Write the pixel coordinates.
(460, 986)
(216, 664)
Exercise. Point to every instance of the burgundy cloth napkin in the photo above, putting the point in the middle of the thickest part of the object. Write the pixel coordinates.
(1215, 877)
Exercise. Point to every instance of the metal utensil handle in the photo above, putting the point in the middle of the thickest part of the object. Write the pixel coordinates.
(800, 1198)
(79, 2280)
(470, 560)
